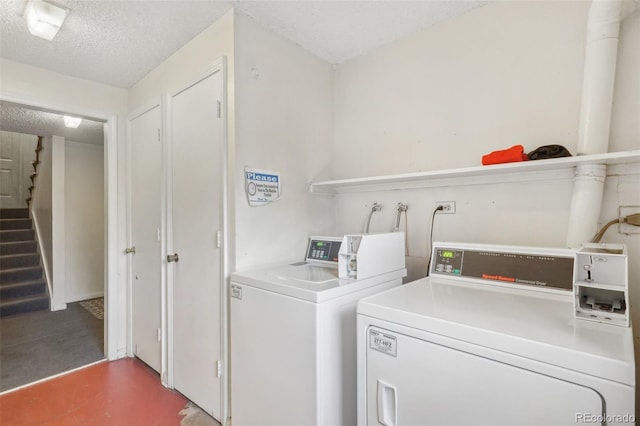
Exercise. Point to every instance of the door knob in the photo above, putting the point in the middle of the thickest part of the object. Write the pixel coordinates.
(130, 250)
(173, 257)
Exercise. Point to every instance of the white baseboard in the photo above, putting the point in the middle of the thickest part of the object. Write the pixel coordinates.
(59, 307)
(86, 296)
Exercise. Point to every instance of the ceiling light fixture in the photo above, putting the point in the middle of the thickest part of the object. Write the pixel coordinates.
(44, 19)
(72, 122)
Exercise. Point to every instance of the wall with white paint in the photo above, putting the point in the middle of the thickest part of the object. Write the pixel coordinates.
(504, 74)
(623, 187)
(43, 87)
(625, 117)
(58, 224)
(284, 98)
(84, 214)
(188, 63)
(69, 189)
(492, 78)
(48, 211)
(279, 118)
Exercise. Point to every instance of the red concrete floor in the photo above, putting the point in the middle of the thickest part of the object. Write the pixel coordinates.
(124, 392)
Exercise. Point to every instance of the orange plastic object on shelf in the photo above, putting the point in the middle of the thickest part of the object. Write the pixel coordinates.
(510, 155)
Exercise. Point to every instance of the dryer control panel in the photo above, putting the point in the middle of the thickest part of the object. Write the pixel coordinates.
(449, 261)
(506, 265)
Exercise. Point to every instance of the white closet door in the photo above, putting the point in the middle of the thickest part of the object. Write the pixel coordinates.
(146, 180)
(197, 176)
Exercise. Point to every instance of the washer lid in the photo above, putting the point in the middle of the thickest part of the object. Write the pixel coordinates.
(306, 273)
(309, 282)
(535, 325)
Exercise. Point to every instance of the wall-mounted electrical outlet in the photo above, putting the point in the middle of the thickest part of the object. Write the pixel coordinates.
(448, 207)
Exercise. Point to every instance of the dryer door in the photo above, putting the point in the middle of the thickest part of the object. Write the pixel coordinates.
(415, 382)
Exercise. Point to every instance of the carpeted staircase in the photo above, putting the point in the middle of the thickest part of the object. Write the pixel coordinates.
(22, 284)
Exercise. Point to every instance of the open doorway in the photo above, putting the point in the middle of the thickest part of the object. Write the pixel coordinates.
(65, 211)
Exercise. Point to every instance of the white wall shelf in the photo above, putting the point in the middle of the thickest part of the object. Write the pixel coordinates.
(552, 169)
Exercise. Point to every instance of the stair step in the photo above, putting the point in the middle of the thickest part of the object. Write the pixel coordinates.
(23, 288)
(13, 275)
(22, 260)
(23, 304)
(18, 247)
(14, 213)
(6, 224)
(22, 285)
(11, 235)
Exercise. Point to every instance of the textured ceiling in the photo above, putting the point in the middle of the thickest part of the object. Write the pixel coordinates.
(113, 42)
(18, 119)
(340, 30)
(119, 42)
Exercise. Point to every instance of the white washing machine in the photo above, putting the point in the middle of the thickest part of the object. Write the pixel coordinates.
(293, 332)
(490, 338)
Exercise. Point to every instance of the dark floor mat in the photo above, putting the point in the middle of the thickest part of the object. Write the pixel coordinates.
(37, 345)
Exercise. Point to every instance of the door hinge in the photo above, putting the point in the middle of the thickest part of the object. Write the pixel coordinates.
(159, 335)
(219, 368)
(158, 135)
(219, 106)
(218, 239)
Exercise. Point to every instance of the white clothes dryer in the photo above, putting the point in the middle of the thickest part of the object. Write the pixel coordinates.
(293, 336)
(490, 338)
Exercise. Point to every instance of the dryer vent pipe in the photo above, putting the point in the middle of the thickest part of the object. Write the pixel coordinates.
(601, 54)
(603, 29)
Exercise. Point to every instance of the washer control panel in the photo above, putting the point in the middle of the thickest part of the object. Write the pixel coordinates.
(323, 249)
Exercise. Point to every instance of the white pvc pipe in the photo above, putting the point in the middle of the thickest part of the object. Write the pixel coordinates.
(588, 187)
(601, 54)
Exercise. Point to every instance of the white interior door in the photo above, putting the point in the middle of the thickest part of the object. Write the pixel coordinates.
(16, 154)
(197, 175)
(146, 183)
